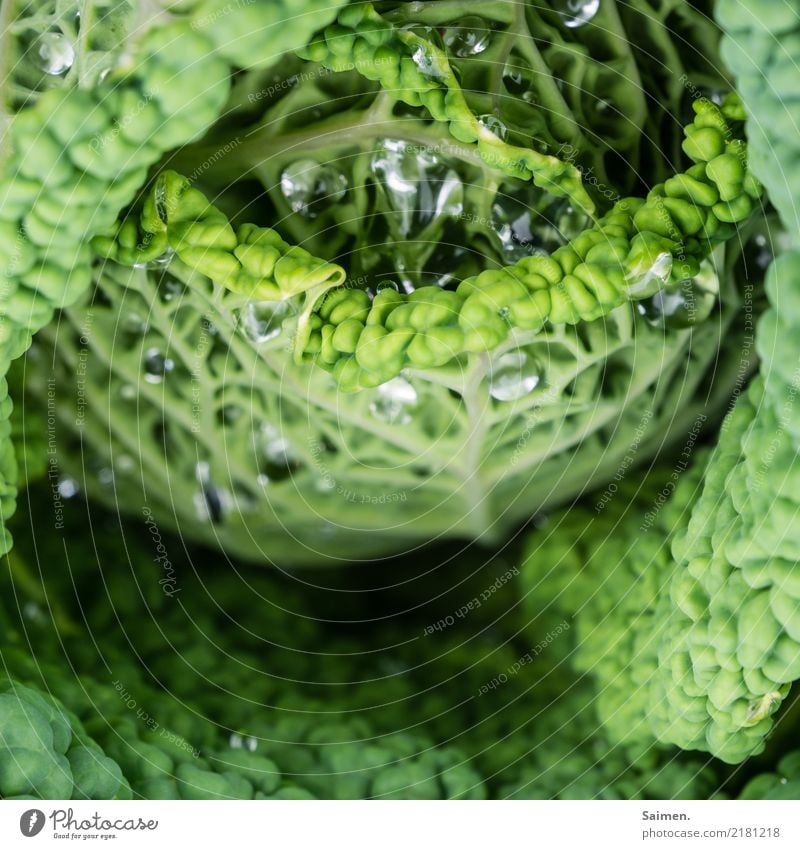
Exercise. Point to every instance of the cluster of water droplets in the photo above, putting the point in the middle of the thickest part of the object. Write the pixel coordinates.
(311, 187)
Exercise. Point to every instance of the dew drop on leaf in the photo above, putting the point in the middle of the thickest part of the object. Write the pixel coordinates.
(417, 186)
(262, 320)
(394, 402)
(55, 53)
(576, 13)
(169, 287)
(67, 487)
(514, 375)
(156, 365)
(423, 56)
(652, 278)
(515, 80)
(469, 37)
(124, 463)
(279, 455)
(211, 502)
(325, 483)
(310, 186)
(684, 305)
(513, 224)
(229, 414)
(494, 125)
(158, 262)
(133, 324)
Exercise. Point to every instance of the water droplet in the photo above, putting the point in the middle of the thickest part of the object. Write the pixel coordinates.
(277, 450)
(158, 262)
(424, 56)
(539, 145)
(98, 64)
(55, 53)
(33, 612)
(156, 365)
(394, 402)
(601, 105)
(310, 186)
(262, 320)
(105, 476)
(520, 80)
(325, 483)
(134, 324)
(576, 13)
(494, 125)
(678, 307)
(558, 222)
(756, 257)
(328, 529)
(417, 186)
(513, 224)
(425, 60)
(516, 81)
(211, 502)
(446, 264)
(469, 37)
(67, 487)
(236, 741)
(229, 414)
(124, 463)
(169, 287)
(514, 375)
(653, 278)
(128, 391)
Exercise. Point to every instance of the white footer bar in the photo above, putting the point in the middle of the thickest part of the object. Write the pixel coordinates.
(403, 825)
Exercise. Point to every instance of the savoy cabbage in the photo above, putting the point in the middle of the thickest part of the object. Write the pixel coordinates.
(328, 283)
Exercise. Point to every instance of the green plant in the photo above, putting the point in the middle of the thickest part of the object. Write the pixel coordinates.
(333, 280)
(403, 159)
